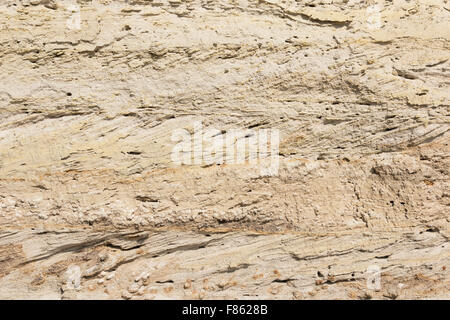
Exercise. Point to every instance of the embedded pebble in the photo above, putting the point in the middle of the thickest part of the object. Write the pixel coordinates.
(133, 288)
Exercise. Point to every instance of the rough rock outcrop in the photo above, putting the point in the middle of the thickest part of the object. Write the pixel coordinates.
(92, 204)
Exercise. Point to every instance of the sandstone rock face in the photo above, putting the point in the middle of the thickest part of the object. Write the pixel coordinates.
(93, 205)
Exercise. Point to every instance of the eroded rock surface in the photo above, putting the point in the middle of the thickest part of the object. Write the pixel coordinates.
(93, 206)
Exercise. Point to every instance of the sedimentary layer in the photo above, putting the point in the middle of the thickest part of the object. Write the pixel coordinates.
(92, 204)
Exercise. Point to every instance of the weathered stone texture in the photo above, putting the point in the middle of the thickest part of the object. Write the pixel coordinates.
(92, 206)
